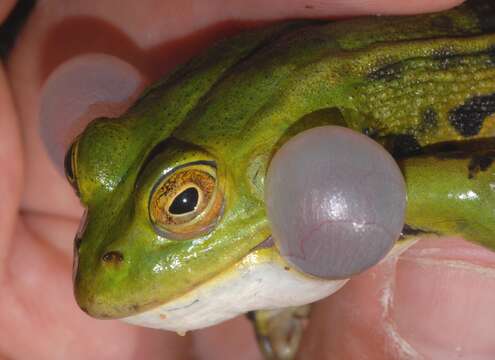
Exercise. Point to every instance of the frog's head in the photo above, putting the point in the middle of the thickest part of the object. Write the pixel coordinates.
(174, 194)
(163, 216)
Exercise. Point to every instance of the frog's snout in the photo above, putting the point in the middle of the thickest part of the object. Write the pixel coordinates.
(105, 271)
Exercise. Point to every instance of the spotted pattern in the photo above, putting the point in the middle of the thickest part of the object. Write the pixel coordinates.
(408, 230)
(402, 102)
(468, 118)
(480, 163)
(402, 145)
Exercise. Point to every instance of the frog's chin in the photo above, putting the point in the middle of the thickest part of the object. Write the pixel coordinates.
(261, 280)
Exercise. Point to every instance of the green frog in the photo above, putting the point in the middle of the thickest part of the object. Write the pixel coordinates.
(175, 234)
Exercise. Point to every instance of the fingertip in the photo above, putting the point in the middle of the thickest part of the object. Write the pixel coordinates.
(385, 7)
(82, 89)
(281, 9)
(443, 299)
(432, 300)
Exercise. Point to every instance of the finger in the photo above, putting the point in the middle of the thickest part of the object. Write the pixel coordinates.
(319, 8)
(11, 165)
(81, 89)
(434, 302)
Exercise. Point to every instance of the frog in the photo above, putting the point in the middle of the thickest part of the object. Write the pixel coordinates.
(175, 234)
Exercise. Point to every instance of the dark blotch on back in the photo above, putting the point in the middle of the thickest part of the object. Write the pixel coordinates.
(480, 162)
(485, 11)
(402, 145)
(408, 230)
(468, 118)
(114, 257)
(386, 73)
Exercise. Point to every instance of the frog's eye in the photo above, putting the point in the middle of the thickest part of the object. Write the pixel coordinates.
(187, 202)
(69, 167)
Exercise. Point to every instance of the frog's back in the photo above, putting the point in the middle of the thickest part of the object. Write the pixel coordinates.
(419, 80)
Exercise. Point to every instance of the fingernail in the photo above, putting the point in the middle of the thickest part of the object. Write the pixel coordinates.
(444, 300)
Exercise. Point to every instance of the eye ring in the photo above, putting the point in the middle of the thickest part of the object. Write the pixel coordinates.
(187, 201)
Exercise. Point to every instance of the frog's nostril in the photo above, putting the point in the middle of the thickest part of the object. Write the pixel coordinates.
(113, 257)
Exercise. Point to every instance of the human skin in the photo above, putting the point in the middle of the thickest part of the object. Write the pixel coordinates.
(433, 301)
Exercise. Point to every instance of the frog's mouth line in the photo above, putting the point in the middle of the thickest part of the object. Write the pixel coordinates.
(262, 279)
(265, 244)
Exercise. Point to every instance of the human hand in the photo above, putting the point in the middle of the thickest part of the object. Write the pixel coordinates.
(39, 213)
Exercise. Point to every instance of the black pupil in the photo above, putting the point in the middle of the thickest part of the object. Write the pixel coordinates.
(185, 202)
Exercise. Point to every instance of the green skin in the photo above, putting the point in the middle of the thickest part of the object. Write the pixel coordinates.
(407, 82)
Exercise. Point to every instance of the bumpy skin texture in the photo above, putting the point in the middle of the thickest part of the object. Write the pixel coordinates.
(410, 83)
